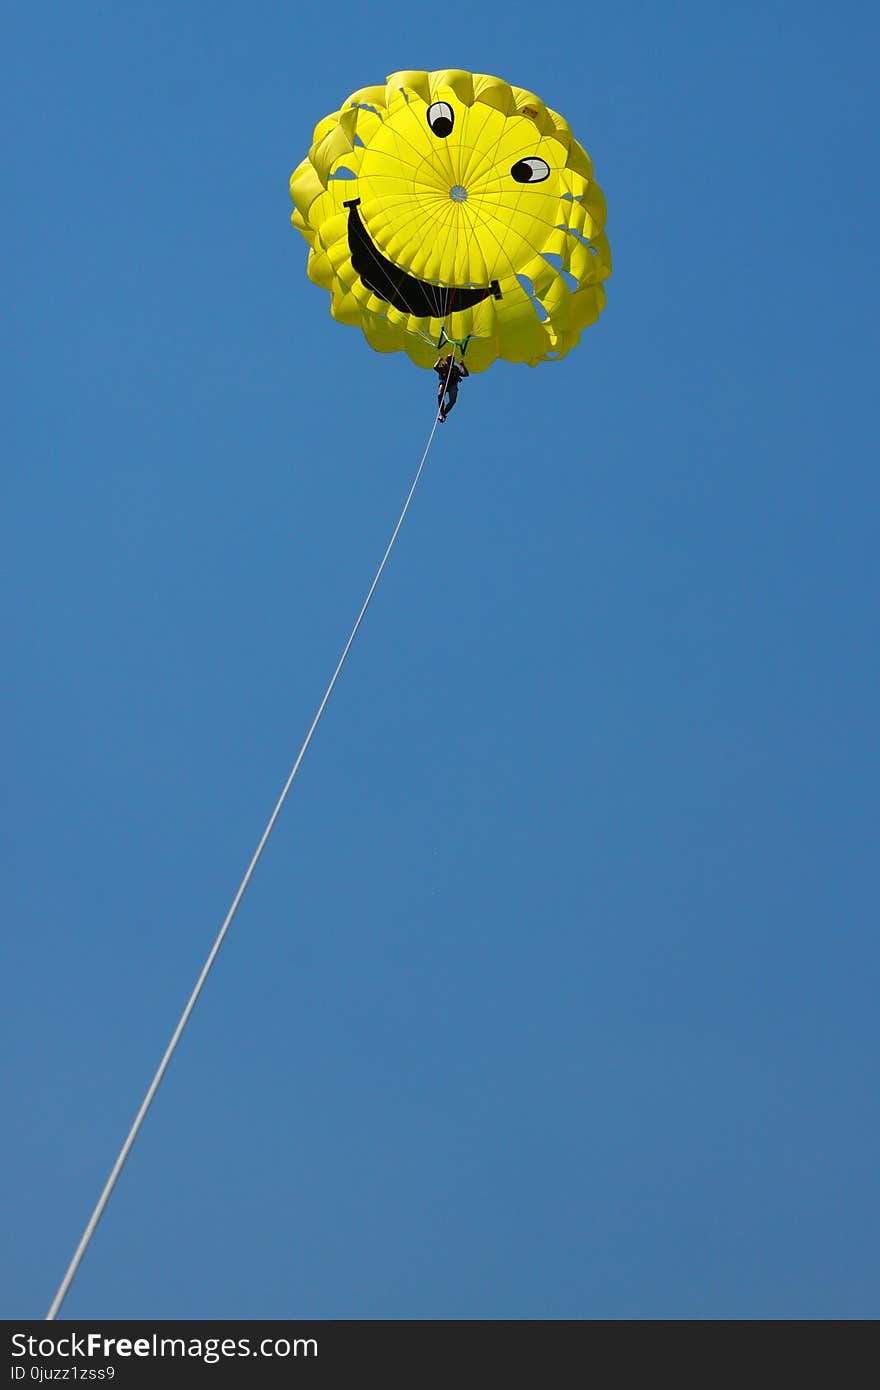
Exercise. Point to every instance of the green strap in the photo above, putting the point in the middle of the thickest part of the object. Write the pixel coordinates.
(456, 342)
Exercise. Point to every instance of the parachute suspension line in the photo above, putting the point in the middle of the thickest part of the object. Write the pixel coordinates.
(445, 336)
(163, 1065)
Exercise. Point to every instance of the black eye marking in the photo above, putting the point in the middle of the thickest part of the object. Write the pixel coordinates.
(532, 170)
(441, 118)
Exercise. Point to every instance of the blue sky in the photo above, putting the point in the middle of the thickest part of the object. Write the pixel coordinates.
(555, 994)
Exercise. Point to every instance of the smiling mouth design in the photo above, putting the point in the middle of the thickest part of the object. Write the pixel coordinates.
(417, 297)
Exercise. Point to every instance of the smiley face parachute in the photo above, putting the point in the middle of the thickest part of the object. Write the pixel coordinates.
(450, 207)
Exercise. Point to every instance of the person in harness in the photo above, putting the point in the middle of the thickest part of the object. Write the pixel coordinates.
(450, 373)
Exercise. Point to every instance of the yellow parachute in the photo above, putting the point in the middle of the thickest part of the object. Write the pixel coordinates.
(450, 207)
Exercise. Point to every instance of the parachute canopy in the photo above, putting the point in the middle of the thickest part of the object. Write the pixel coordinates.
(451, 207)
